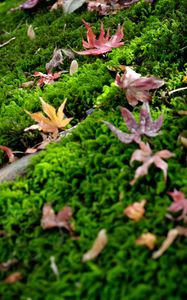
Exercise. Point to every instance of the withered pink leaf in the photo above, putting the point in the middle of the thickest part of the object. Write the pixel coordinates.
(172, 234)
(46, 78)
(144, 155)
(106, 7)
(56, 60)
(29, 4)
(62, 219)
(145, 126)
(136, 210)
(137, 87)
(9, 153)
(180, 204)
(16, 276)
(104, 43)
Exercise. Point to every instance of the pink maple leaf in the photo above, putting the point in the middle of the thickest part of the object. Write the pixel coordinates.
(137, 87)
(145, 126)
(46, 78)
(180, 204)
(144, 154)
(104, 43)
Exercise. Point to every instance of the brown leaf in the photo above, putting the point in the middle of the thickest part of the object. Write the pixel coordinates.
(148, 239)
(61, 220)
(98, 245)
(27, 84)
(136, 210)
(13, 277)
(57, 5)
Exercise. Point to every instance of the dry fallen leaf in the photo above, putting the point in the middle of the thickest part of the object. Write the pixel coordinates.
(13, 277)
(71, 5)
(54, 266)
(61, 220)
(183, 141)
(6, 265)
(98, 245)
(53, 123)
(172, 234)
(30, 33)
(56, 60)
(73, 67)
(148, 239)
(104, 43)
(57, 5)
(9, 153)
(136, 210)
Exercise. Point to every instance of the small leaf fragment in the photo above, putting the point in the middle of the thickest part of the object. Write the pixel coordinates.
(73, 67)
(98, 245)
(136, 210)
(148, 239)
(31, 33)
(16, 276)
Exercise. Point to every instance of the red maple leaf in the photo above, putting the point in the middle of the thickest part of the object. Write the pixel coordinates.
(137, 87)
(145, 126)
(180, 204)
(46, 78)
(104, 43)
(144, 154)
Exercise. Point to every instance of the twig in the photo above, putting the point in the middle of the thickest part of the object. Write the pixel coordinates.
(4, 44)
(178, 90)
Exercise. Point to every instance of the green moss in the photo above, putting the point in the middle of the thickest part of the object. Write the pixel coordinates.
(89, 169)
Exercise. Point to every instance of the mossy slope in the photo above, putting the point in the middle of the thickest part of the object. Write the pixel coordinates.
(89, 170)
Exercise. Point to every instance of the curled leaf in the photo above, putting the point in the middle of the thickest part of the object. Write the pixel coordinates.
(56, 60)
(98, 245)
(50, 219)
(136, 210)
(137, 87)
(46, 78)
(172, 234)
(9, 153)
(73, 67)
(30, 33)
(16, 276)
(54, 266)
(148, 239)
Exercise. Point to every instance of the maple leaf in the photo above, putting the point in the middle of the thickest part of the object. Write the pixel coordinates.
(137, 87)
(180, 204)
(144, 154)
(46, 78)
(29, 4)
(104, 43)
(54, 122)
(61, 219)
(9, 153)
(136, 210)
(145, 126)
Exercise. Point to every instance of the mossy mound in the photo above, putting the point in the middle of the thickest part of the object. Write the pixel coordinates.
(89, 169)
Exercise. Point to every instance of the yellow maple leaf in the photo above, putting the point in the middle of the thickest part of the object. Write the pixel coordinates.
(54, 121)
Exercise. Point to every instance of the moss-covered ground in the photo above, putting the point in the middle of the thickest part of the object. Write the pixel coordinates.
(89, 170)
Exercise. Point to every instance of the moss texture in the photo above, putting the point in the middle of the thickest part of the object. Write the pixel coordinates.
(89, 170)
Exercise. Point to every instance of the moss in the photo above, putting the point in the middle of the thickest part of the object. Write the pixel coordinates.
(89, 169)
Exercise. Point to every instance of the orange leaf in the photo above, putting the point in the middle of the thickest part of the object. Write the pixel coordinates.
(16, 276)
(148, 239)
(136, 210)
